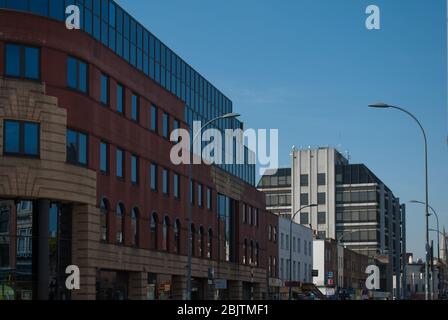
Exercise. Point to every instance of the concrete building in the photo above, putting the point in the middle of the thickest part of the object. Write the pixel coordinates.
(277, 187)
(85, 120)
(415, 287)
(300, 246)
(340, 271)
(353, 206)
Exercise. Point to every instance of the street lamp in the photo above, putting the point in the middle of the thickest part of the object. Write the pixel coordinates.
(438, 229)
(189, 211)
(387, 106)
(290, 244)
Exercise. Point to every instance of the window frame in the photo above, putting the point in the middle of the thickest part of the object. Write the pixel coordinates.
(77, 73)
(77, 162)
(22, 61)
(22, 139)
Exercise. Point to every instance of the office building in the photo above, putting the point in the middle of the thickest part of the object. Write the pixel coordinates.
(85, 120)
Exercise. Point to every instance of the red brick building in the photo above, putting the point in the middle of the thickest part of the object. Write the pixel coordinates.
(98, 169)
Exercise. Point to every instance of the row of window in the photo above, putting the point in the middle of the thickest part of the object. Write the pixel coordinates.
(305, 198)
(297, 274)
(201, 238)
(109, 23)
(272, 233)
(285, 244)
(321, 180)
(356, 196)
(250, 253)
(22, 139)
(305, 218)
(278, 200)
(24, 62)
(250, 215)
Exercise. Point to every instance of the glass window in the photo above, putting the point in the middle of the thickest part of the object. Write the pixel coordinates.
(176, 125)
(104, 89)
(120, 98)
(153, 229)
(21, 138)
(104, 226)
(166, 125)
(134, 226)
(153, 177)
(321, 198)
(304, 180)
(77, 74)
(321, 217)
(104, 157)
(120, 163)
(22, 61)
(134, 169)
(176, 185)
(209, 198)
(200, 201)
(304, 199)
(321, 179)
(119, 223)
(165, 182)
(304, 218)
(76, 147)
(191, 190)
(135, 108)
(153, 124)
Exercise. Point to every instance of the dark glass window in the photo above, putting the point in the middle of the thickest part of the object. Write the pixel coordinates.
(304, 199)
(200, 195)
(165, 182)
(209, 198)
(21, 138)
(321, 198)
(104, 157)
(304, 180)
(153, 177)
(321, 179)
(153, 125)
(176, 125)
(304, 218)
(135, 108)
(166, 125)
(76, 147)
(321, 217)
(176, 185)
(104, 89)
(191, 190)
(120, 163)
(120, 98)
(134, 169)
(77, 74)
(321, 235)
(134, 226)
(22, 61)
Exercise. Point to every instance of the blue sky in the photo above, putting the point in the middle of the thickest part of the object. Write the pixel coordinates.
(310, 67)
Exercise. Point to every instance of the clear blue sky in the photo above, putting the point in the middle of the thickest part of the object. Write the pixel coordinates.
(310, 67)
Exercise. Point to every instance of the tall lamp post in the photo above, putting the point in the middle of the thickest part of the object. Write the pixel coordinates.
(189, 211)
(438, 229)
(387, 106)
(290, 244)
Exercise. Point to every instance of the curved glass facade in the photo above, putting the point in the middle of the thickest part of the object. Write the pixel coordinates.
(108, 23)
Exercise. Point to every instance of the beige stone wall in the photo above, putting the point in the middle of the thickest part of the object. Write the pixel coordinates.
(48, 177)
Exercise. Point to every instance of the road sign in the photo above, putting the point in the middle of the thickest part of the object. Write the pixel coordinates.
(330, 275)
(220, 284)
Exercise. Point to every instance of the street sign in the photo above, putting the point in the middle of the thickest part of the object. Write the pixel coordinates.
(330, 275)
(330, 282)
(220, 284)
